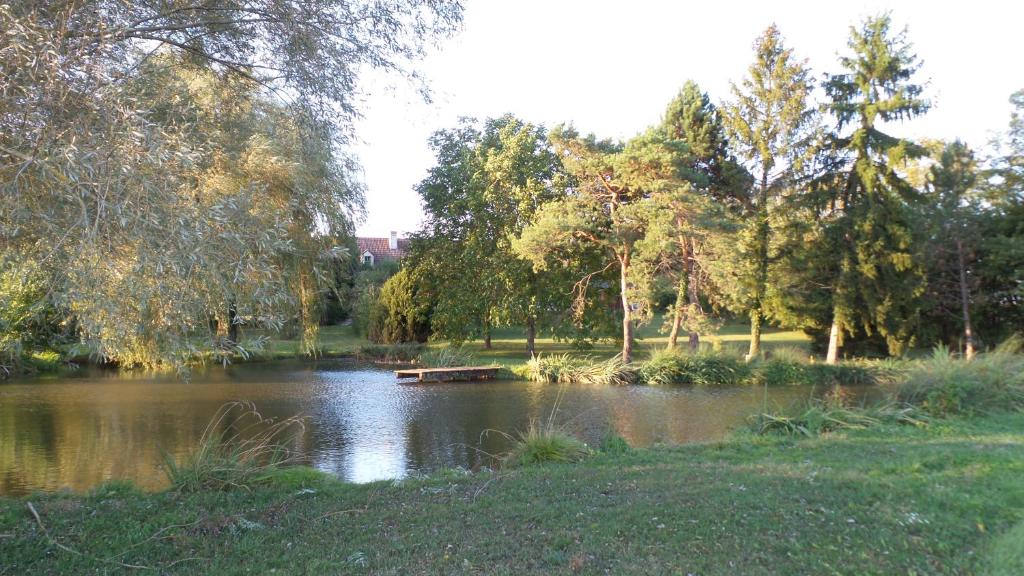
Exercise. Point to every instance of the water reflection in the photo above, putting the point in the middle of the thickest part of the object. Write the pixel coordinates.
(78, 432)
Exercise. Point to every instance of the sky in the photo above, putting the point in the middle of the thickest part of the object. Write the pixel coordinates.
(611, 68)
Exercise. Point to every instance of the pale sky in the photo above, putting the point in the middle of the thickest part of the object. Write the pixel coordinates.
(612, 67)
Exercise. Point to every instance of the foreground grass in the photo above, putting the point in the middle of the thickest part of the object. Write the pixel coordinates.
(947, 499)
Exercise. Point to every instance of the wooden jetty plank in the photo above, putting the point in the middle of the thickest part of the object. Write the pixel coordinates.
(455, 373)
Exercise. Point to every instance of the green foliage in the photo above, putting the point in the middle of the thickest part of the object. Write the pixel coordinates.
(787, 372)
(543, 443)
(397, 353)
(946, 385)
(821, 417)
(568, 369)
(863, 199)
(239, 449)
(403, 311)
(613, 443)
(772, 126)
(366, 294)
(199, 181)
(1006, 557)
(487, 185)
(446, 357)
(617, 197)
(698, 369)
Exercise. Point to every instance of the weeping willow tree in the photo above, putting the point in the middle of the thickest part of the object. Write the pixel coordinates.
(163, 164)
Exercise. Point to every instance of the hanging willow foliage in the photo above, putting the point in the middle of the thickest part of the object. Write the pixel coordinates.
(172, 167)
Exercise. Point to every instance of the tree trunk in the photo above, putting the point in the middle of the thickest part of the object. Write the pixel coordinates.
(763, 233)
(692, 293)
(531, 336)
(233, 323)
(833, 343)
(677, 320)
(487, 333)
(755, 335)
(627, 313)
(965, 302)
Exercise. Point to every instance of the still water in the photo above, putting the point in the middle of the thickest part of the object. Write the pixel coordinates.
(362, 424)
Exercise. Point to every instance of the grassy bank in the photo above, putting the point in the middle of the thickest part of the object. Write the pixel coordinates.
(946, 499)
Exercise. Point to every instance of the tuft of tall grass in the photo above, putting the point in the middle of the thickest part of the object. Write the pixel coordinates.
(565, 369)
(545, 441)
(822, 416)
(399, 353)
(702, 369)
(238, 449)
(945, 385)
(542, 443)
(446, 357)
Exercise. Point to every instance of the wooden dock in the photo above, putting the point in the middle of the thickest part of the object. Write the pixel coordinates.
(455, 374)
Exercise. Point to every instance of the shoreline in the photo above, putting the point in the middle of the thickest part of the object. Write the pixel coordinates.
(882, 500)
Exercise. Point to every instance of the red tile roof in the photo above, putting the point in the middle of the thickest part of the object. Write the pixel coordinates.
(380, 248)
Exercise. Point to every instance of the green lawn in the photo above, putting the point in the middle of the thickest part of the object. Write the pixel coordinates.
(334, 341)
(943, 500)
(509, 344)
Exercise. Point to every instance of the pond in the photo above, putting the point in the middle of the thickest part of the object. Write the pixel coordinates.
(77, 432)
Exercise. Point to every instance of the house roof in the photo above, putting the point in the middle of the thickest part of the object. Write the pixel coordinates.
(380, 249)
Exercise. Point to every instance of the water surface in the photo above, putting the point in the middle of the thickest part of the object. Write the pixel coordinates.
(363, 425)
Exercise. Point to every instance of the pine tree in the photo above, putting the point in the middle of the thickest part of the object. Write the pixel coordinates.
(771, 126)
(714, 177)
(876, 281)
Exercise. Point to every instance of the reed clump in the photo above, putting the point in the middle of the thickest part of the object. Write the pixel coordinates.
(239, 448)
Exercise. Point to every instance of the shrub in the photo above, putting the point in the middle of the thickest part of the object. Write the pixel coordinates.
(820, 417)
(239, 448)
(945, 385)
(702, 369)
(446, 357)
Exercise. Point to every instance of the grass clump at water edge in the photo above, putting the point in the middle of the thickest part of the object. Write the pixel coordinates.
(545, 441)
(824, 416)
(566, 369)
(238, 449)
(399, 353)
(675, 366)
(446, 357)
(944, 385)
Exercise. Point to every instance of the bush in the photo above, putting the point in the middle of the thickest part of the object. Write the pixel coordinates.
(944, 385)
(446, 357)
(238, 449)
(701, 369)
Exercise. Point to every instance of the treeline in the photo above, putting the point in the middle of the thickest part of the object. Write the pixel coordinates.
(793, 202)
(170, 172)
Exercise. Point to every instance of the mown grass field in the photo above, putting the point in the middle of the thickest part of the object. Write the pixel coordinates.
(508, 345)
(947, 499)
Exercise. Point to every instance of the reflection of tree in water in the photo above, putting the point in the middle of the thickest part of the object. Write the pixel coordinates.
(362, 425)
